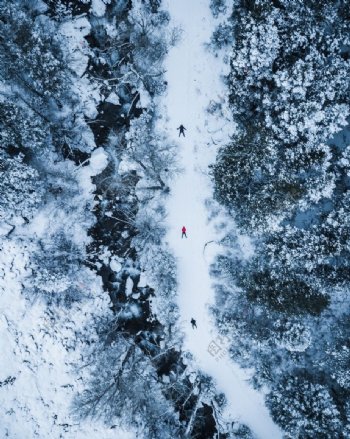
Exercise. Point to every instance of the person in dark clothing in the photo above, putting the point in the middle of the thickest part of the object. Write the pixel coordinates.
(183, 230)
(181, 130)
(193, 323)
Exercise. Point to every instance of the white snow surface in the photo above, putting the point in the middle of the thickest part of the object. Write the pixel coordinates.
(194, 79)
(38, 349)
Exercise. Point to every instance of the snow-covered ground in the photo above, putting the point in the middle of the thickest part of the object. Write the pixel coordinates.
(194, 79)
(40, 347)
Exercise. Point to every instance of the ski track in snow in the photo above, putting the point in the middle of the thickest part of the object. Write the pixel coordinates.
(193, 76)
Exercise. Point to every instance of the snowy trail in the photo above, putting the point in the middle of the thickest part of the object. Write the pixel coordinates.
(193, 76)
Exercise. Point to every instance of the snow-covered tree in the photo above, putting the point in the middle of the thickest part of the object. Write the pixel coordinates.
(123, 386)
(304, 409)
(151, 154)
(284, 178)
(32, 59)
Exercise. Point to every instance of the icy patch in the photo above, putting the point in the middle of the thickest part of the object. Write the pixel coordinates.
(130, 312)
(115, 265)
(113, 98)
(98, 161)
(129, 286)
(77, 46)
(127, 166)
(145, 98)
(98, 8)
(143, 282)
(90, 97)
(76, 29)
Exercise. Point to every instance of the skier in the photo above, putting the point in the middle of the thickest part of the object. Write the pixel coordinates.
(193, 323)
(183, 232)
(181, 130)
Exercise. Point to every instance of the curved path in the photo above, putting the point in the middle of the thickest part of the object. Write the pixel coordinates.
(193, 76)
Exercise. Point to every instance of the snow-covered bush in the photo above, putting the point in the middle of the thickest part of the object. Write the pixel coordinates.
(20, 129)
(56, 273)
(20, 188)
(150, 47)
(159, 267)
(218, 7)
(222, 36)
(294, 337)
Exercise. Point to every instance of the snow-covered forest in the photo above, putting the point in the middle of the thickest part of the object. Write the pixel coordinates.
(284, 178)
(114, 323)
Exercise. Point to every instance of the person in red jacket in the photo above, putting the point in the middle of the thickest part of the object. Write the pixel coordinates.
(183, 232)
